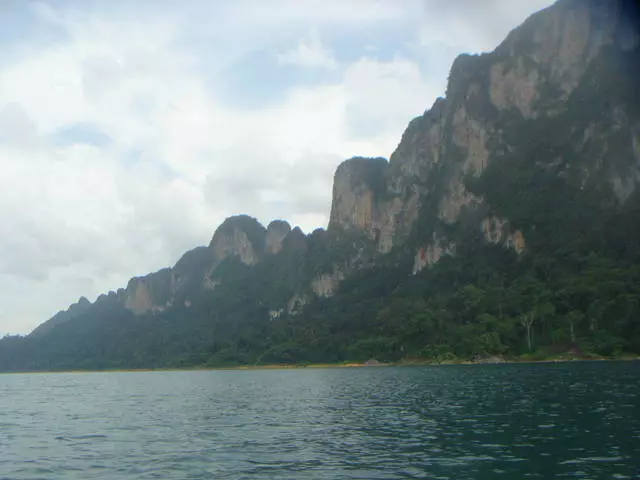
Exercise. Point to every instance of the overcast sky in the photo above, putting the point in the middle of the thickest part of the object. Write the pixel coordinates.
(130, 129)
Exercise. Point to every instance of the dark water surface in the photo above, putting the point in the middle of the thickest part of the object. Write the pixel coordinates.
(579, 420)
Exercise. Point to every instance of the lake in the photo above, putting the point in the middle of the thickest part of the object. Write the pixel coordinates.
(572, 420)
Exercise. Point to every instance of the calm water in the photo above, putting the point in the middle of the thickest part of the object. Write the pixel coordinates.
(451, 422)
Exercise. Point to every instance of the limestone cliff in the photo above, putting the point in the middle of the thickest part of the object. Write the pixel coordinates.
(152, 293)
(241, 236)
(358, 187)
(545, 71)
(277, 230)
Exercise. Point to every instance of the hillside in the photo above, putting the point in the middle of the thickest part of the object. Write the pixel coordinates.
(504, 223)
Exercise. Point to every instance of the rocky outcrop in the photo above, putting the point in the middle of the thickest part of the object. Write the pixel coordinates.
(498, 231)
(431, 254)
(296, 303)
(326, 284)
(530, 76)
(514, 86)
(152, 293)
(357, 187)
(276, 233)
(560, 42)
(241, 236)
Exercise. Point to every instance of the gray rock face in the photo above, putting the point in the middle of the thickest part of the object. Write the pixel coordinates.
(152, 293)
(358, 186)
(241, 236)
(530, 76)
(276, 233)
(326, 284)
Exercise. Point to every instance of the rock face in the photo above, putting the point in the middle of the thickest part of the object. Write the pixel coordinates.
(153, 292)
(241, 236)
(357, 188)
(544, 96)
(540, 73)
(432, 253)
(276, 233)
(326, 284)
(496, 230)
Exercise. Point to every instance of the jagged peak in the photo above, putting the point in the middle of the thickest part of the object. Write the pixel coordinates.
(241, 222)
(240, 235)
(279, 224)
(83, 301)
(556, 23)
(357, 183)
(361, 163)
(277, 230)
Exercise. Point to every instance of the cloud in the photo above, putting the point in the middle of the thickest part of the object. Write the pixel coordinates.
(309, 53)
(120, 147)
(16, 127)
(373, 109)
(469, 26)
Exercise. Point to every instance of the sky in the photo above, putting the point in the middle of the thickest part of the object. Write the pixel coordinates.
(130, 129)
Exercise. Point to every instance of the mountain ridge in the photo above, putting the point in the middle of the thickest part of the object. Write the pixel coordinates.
(519, 128)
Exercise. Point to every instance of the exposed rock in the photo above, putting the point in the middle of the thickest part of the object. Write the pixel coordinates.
(431, 254)
(297, 303)
(211, 283)
(357, 186)
(515, 241)
(240, 236)
(455, 200)
(498, 231)
(153, 292)
(276, 232)
(625, 184)
(326, 284)
(563, 38)
(514, 86)
(471, 135)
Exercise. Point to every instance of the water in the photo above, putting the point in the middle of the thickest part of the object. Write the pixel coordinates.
(578, 420)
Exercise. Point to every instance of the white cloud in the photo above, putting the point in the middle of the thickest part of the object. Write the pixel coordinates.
(309, 53)
(384, 95)
(469, 26)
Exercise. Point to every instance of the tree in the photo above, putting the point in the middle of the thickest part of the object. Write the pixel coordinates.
(527, 320)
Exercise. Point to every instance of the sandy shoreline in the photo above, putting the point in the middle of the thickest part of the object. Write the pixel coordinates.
(407, 363)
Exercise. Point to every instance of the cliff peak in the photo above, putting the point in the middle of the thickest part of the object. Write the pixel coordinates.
(357, 185)
(242, 236)
(277, 230)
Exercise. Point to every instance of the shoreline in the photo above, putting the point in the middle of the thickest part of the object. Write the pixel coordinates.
(404, 363)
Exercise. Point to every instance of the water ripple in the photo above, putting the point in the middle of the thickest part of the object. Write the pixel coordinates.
(457, 422)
